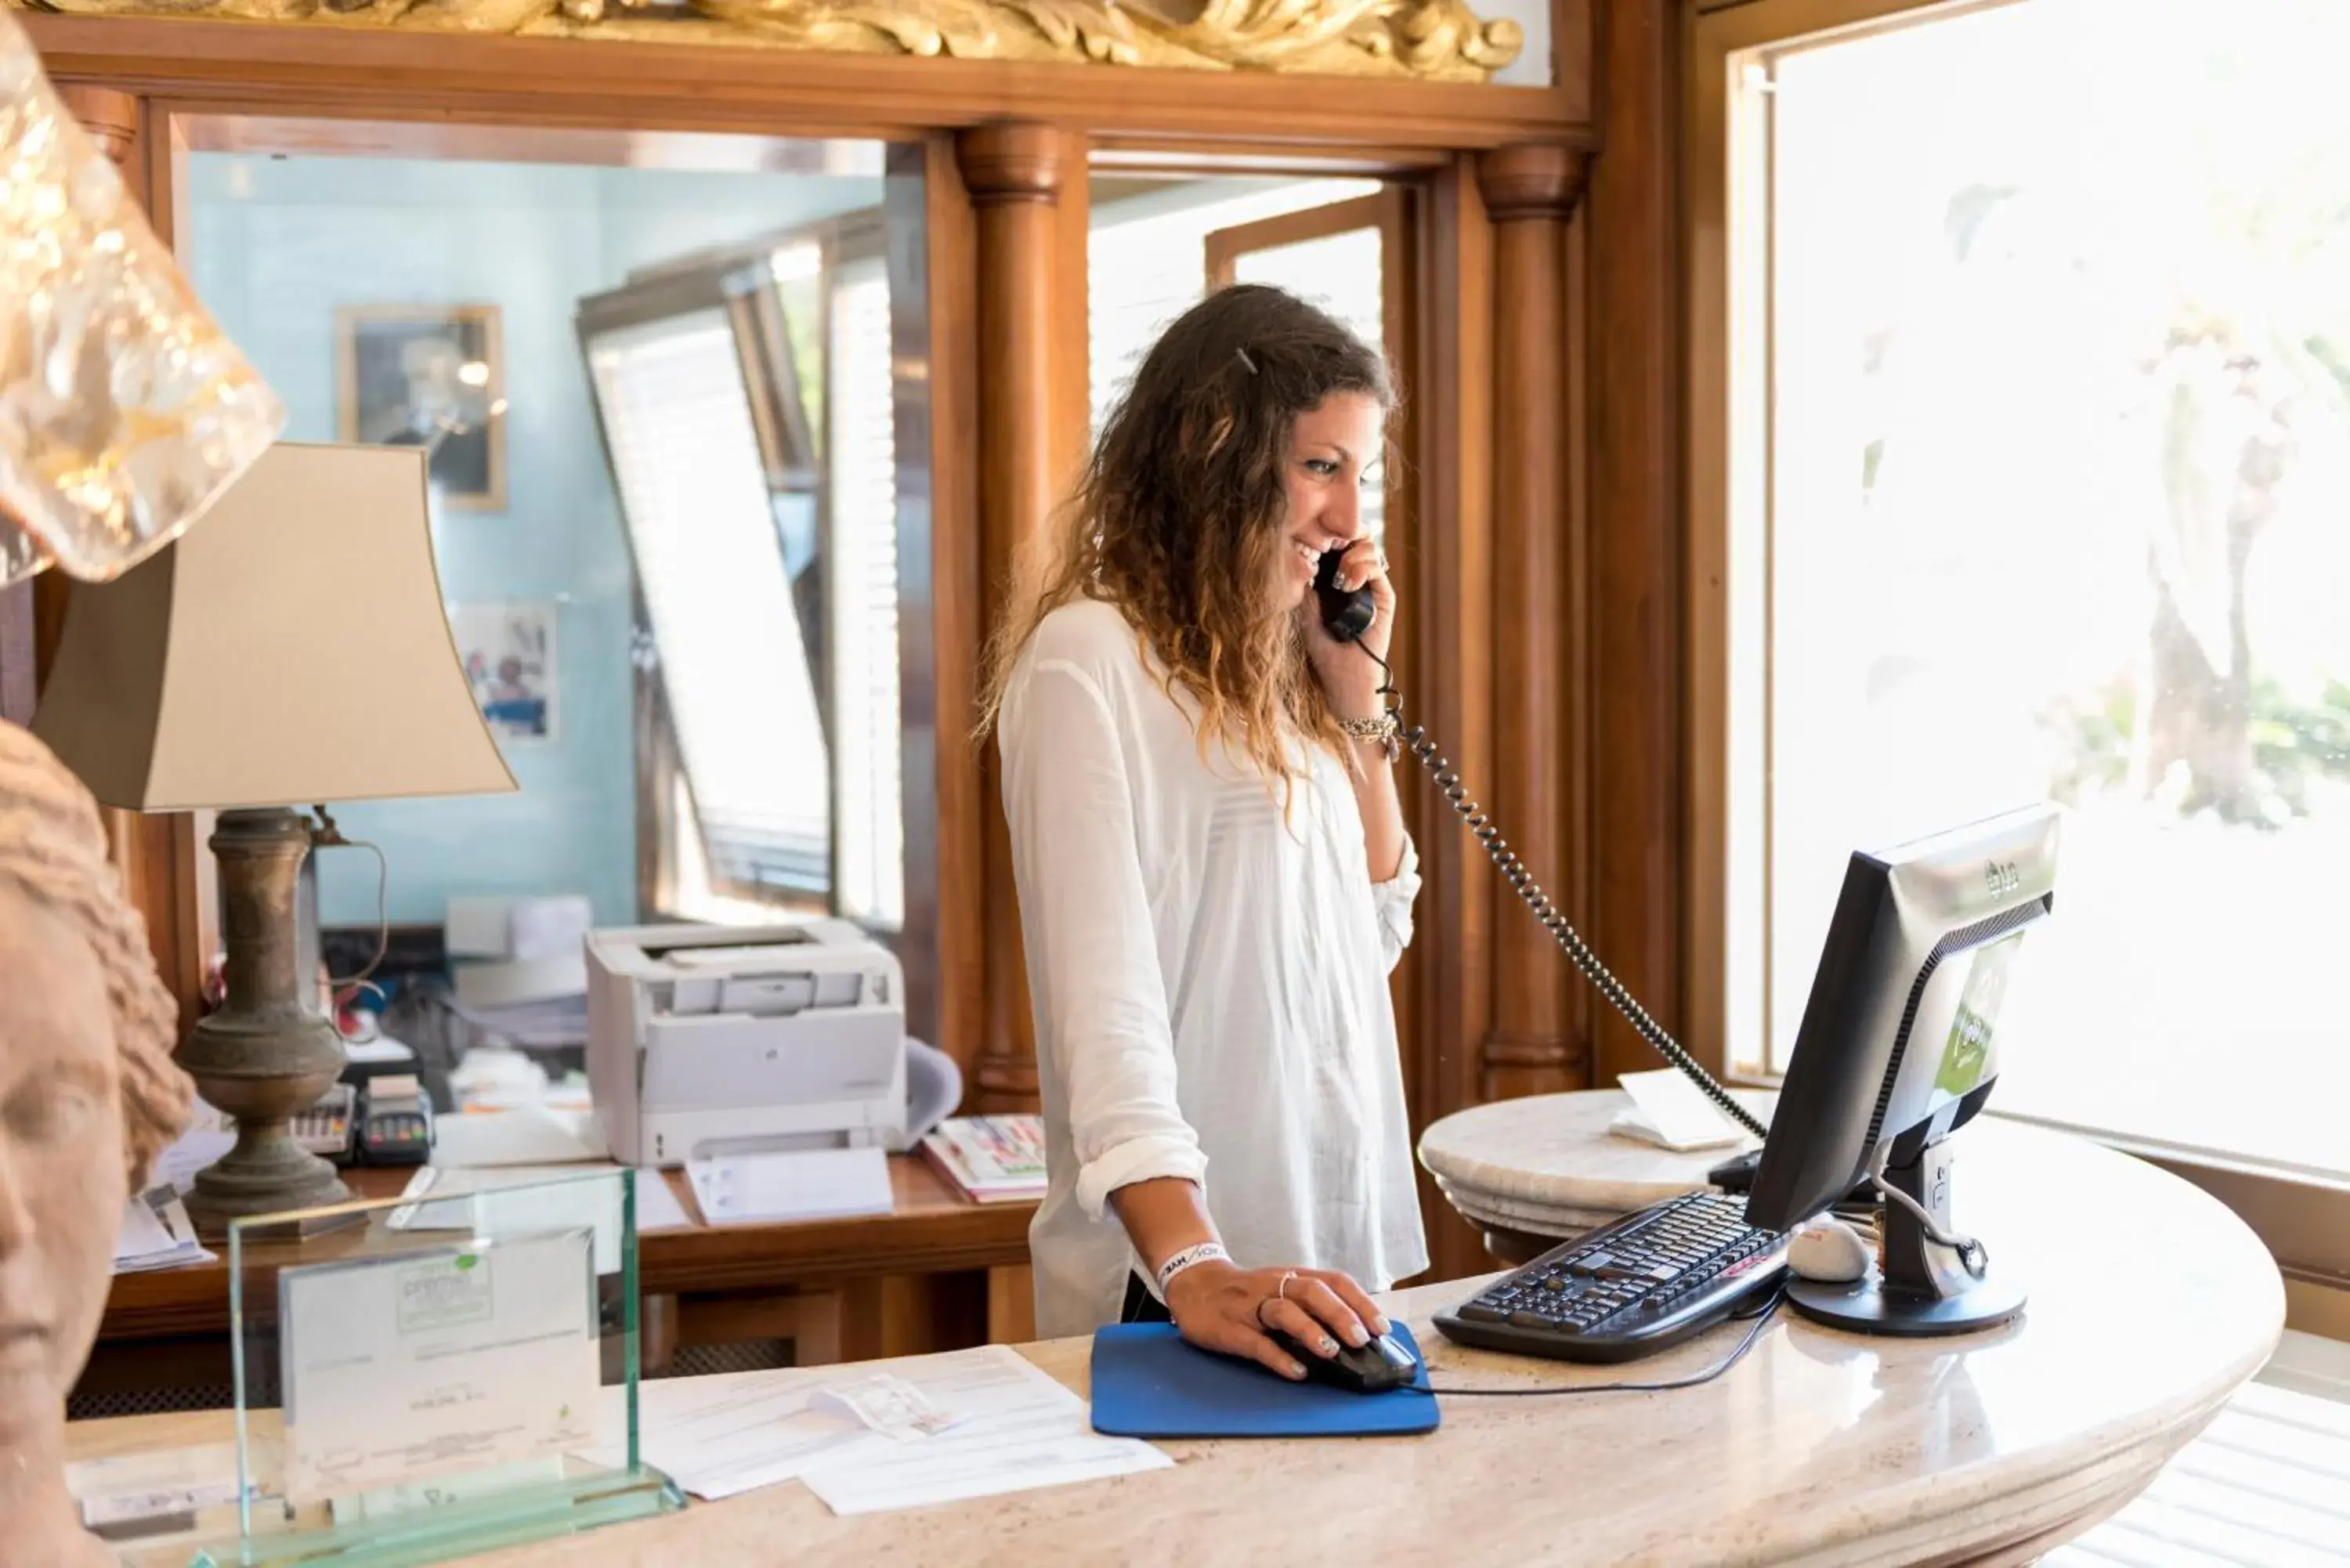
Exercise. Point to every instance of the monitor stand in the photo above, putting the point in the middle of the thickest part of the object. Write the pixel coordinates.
(1924, 1288)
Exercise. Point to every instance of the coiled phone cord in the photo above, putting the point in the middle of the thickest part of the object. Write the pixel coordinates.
(1578, 953)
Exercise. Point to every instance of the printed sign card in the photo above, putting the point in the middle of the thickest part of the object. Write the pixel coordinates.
(438, 1361)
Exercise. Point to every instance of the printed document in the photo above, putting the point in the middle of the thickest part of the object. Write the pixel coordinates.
(1010, 1428)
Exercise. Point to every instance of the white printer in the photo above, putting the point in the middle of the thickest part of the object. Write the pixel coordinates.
(718, 1040)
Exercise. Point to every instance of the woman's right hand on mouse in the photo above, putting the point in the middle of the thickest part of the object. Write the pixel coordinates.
(1218, 1306)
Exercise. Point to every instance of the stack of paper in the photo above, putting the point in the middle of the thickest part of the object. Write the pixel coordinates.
(991, 1159)
(125, 1495)
(1668, 1110)
(156, 1233)
(1010, 1428)
(791, 1184)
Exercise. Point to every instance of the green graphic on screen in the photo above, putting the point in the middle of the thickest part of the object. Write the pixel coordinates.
(1968, 1050)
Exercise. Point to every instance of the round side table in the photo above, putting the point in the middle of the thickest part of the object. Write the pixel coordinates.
(1532, 1172)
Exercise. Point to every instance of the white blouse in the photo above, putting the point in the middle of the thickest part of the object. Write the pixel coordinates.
(1209, 980)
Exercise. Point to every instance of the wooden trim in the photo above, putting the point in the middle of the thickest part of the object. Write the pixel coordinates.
(1016, 171)
(941, 625)
(1072, 426)
(1224, 247)
(1631, 305)
(1449, 627)
(340, 73)
(1532, 1046)
(1161, 155)
(1705, 218)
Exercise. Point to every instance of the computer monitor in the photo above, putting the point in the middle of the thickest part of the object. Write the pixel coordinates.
(1897, 1048)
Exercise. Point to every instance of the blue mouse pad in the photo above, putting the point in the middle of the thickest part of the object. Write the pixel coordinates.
(1148, 1384)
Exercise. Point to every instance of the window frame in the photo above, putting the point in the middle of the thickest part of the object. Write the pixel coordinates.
(789, 449)
(2301, 1216)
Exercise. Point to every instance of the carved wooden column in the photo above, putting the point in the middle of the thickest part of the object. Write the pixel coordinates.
(1639, 903)
(1014, 171)
(1531, 1045)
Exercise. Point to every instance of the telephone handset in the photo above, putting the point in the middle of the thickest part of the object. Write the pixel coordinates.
(1346, 615)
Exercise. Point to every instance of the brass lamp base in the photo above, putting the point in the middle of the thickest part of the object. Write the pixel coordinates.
(265, 1056)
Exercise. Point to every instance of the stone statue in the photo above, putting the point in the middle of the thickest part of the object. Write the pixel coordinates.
(88, 1097)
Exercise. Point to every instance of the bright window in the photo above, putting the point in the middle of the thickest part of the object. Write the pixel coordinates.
(1147, 261)
(863, 465)
(2039, 417)
(726, 629)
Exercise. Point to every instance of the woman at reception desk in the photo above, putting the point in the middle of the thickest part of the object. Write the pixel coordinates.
(1213, 874)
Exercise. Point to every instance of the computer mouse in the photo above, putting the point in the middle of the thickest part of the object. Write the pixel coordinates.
(1827, 1249)
(1379, 1363)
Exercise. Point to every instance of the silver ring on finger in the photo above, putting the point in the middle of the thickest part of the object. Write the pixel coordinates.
(1281, 1291)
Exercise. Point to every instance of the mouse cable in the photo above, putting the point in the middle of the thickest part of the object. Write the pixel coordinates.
(1578, 952)
(1761, 1318)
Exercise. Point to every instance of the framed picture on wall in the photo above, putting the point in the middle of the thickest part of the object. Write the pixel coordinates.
(430, 376)
(509, 654)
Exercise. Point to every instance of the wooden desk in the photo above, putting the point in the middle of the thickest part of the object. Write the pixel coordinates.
(882, 1271)
(2150, 1305)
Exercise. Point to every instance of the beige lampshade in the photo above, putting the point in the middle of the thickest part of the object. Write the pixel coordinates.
(293, 649)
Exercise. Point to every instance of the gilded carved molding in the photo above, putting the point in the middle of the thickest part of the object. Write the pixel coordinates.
(1427, 40)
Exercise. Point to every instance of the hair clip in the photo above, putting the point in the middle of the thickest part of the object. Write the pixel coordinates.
(1246, 360)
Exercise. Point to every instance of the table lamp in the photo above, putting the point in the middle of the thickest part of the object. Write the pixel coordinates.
(293, 649)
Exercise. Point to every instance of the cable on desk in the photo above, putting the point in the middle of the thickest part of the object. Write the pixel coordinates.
(1761, 1318)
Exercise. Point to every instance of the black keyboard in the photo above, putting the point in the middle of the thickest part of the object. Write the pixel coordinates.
(1641, 1284)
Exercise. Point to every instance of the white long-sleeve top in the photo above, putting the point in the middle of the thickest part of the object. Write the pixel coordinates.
(1209, 980)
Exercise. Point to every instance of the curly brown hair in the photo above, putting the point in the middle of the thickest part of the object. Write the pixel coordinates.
(53, 849)
(1178, 518)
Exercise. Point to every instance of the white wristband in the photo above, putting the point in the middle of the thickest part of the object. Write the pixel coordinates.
(1197, 1253)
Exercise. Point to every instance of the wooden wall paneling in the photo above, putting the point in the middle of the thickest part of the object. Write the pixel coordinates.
(1632, 304)
(1072, 424)
(1584, 1003)
(1015, 172)
(1706, 183)
(350, 73)
(1449, 625)
(1531, 1045)
(1570, 46)
(932, 258)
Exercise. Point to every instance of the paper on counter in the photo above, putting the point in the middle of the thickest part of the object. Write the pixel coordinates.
(1669, 1110)
(167, 1483)
(1020, 1430)
(156, 1233)
(791, 1184)
(211, 1134)
(716, 1437)
(1013, 1429)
